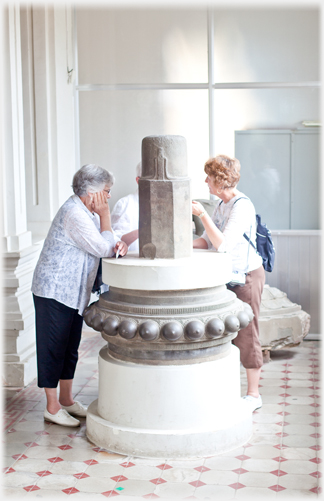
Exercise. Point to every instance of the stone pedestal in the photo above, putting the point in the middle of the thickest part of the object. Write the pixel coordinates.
(169, 378)
(174, 411)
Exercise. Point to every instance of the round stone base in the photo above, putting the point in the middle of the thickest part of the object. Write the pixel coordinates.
(175, 412)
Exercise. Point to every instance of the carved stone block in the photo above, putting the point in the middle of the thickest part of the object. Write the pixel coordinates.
(164, 199)
(281, 322)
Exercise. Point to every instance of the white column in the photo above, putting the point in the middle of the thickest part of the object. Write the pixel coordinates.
(14, 195)
(38, 160)
(20, 255)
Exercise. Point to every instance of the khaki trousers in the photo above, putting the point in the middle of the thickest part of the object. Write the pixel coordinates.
(247, 339)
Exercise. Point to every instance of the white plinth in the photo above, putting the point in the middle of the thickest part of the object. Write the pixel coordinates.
(201, 270)
(169, 411)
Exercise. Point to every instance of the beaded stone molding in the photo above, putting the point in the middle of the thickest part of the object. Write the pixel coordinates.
(149, 331)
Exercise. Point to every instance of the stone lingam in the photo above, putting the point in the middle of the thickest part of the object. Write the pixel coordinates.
(169, 377)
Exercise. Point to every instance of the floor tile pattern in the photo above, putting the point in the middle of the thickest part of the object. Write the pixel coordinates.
(282, 460)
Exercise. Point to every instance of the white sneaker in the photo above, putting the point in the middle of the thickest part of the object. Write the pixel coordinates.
(61, 417)
(76, 409)
(254, 402)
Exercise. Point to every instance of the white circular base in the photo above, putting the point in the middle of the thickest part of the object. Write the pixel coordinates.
(205, 268)
(169, 411)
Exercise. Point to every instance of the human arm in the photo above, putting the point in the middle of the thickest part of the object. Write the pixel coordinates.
(215, 236)
(200, 243)
(81, 229)
(130, 237)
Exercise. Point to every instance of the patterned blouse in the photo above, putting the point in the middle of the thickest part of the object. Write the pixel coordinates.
(69, 260)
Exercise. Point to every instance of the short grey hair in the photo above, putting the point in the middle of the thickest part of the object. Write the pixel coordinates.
(91, 178)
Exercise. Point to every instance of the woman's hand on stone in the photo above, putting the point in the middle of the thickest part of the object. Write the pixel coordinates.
(197, 208)
(100, 203)
(122, 247)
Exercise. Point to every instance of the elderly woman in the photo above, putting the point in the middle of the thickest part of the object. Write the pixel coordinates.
(79, 236)
(233, 216)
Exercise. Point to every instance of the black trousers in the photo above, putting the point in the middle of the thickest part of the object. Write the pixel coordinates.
(58, 335)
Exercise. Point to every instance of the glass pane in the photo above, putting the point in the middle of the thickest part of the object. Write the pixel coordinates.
(268, 110)
(113, 124)
(265, 174)
(241, 109)
(141, 45)
(267, 45)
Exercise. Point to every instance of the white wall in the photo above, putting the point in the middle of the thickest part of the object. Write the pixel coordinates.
(125, 55)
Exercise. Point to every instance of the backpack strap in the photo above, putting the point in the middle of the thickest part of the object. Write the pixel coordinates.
(247, 238)
(244, 235)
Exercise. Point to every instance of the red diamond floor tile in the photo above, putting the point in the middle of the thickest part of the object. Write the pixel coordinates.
(91, 462)
(164, 466)
(316, 474)
(31, 444)
(197, 483)
(64, 447)
(278, 473)
(30, 488)
(277, 488)
(316, 460)
(243, 457)
(55, 460)
(9, 470)
(158, 481)
(127, 465)
(80, 475)
(19, 457)
(43, 473)
(237, 485)
(70, 490)
(119, 478)
(316, 490)
(110, 493)
(151, 496)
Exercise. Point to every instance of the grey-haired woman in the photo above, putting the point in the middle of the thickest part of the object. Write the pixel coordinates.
(79, 236)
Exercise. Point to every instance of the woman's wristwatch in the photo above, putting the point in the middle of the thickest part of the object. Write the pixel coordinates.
(202, 214)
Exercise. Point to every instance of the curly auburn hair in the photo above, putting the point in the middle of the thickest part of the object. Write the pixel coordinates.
(224, 171)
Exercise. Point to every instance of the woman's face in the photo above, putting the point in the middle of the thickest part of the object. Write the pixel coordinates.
(107, 190)
(213, 187)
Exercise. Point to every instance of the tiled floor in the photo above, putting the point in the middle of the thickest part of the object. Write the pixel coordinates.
(282, 459)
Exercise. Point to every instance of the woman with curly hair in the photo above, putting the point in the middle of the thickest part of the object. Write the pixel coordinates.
(234, 216)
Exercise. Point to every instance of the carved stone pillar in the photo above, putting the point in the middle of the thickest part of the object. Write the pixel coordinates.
(165, 229)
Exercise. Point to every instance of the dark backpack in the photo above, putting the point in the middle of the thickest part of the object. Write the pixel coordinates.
(264, 244)
(265, 247)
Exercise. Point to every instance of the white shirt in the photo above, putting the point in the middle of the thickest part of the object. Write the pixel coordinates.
(233, 220)
(124, 217)
(69, 260)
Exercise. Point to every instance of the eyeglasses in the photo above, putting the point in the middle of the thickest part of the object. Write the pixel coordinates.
(107, 191)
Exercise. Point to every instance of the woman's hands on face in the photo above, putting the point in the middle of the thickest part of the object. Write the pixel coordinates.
(100, 203)
(197, 208)
(122, 247)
